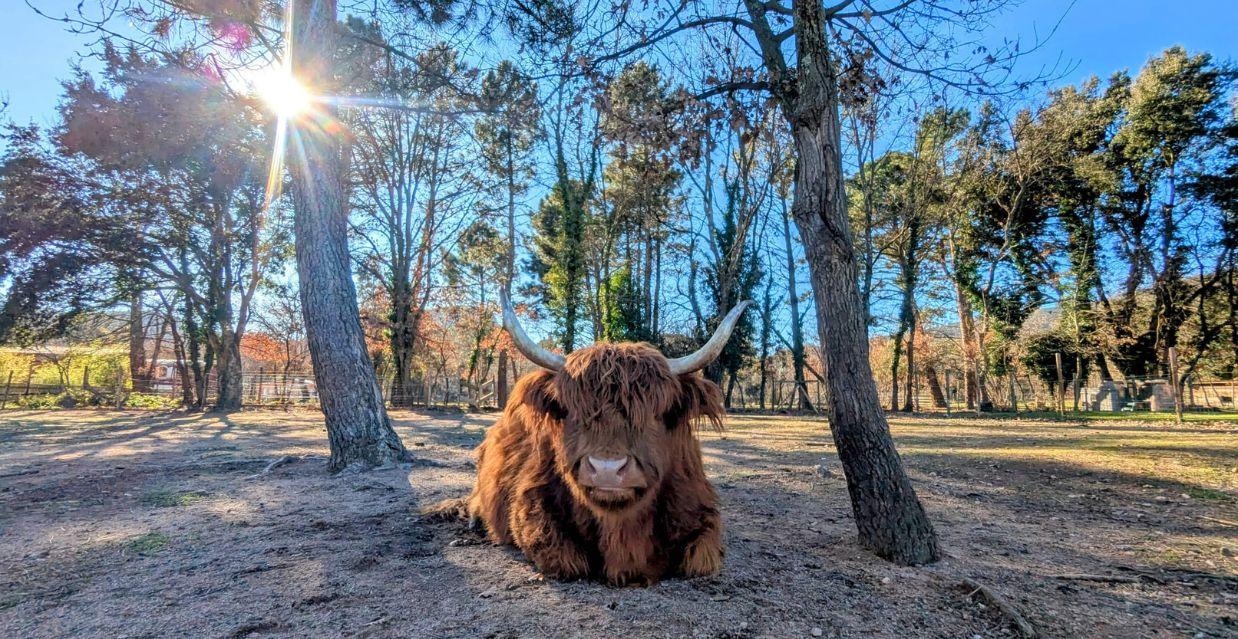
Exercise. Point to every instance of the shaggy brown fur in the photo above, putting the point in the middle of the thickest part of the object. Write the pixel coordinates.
(610, 400)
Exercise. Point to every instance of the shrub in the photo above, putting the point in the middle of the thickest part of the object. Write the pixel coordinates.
(39, 402)
(151, 401)
(68, 399)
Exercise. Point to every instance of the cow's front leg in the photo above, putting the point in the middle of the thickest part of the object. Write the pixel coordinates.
(693, 522)
(541, 535)
(703, 556)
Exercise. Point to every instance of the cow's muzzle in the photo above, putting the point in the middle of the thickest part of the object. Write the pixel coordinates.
(621, 475)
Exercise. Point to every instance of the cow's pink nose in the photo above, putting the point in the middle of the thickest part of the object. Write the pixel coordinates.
(606, 473)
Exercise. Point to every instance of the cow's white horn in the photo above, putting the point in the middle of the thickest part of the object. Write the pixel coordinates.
(713, 348)
(531, 349)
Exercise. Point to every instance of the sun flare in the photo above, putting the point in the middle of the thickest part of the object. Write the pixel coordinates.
(286, 97)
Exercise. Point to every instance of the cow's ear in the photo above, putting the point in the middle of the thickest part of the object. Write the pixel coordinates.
(537, 391)
(698, 398)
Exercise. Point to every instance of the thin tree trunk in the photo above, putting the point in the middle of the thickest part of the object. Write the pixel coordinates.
(968, 342)
(909, 403)
(182, 367)
(193, 347)
(889, 517)
(797, 330)
(358, 429)
(895, 362)
(934, 384)
(137, 344)
(149, 374)
(500, 385)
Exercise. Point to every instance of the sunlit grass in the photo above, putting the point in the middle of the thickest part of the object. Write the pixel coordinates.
(148, 544)
(172, 498)
(1201, 452)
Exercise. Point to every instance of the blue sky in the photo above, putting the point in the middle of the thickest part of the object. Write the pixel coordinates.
(1097, 36)
(1103, 36)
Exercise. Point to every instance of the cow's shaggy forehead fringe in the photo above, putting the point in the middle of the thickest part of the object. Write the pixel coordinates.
(633, 378)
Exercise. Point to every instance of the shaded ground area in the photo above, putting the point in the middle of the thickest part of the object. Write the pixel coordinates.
(150, 525)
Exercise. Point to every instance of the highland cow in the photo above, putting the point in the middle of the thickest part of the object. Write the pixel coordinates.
(594, 470)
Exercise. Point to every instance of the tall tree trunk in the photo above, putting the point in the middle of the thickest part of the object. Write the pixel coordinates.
(895, 363)
(797, 330)
(358, 429)
(500, 385)
(934, 384)
(182, 367)
(767, 318)
(909, 399)
(229, 374)
(137, 344)
(890, 519)
(656, 320)
(403, 340)
(1231, 293)
(193, 352)
(972, 389)
(153, 361)
(1077, 381)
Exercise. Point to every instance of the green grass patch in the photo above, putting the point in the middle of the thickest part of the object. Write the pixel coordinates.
(173, 498)
(1197, 492)
(148, 544)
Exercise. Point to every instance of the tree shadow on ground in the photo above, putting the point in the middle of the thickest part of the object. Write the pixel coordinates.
(301, 553)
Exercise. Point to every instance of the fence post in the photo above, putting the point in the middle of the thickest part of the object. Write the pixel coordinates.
(1173, 383)
(7, 386)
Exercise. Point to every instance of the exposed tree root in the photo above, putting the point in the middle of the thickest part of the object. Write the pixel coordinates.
(1025, 628)
(286, 459)
(1167, 574)
(1112, 579)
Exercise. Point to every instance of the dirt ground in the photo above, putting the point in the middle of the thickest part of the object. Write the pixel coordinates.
(129, 524)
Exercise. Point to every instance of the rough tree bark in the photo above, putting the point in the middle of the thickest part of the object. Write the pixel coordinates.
(229, 375)
(934, 384)
(137, 344)
(891, 521)
(358, 429)
(500, 384)
(403, 340)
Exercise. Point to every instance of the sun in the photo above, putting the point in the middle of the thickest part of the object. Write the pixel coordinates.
(286, 97)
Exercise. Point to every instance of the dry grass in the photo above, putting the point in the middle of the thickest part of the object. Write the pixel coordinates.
(150, 525)
(1202, 451)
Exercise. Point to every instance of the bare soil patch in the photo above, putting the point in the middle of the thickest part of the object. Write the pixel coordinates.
(130, 524)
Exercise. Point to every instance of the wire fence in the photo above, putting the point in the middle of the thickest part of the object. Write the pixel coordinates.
(947, 391)
(259, 388)
(943, 391)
